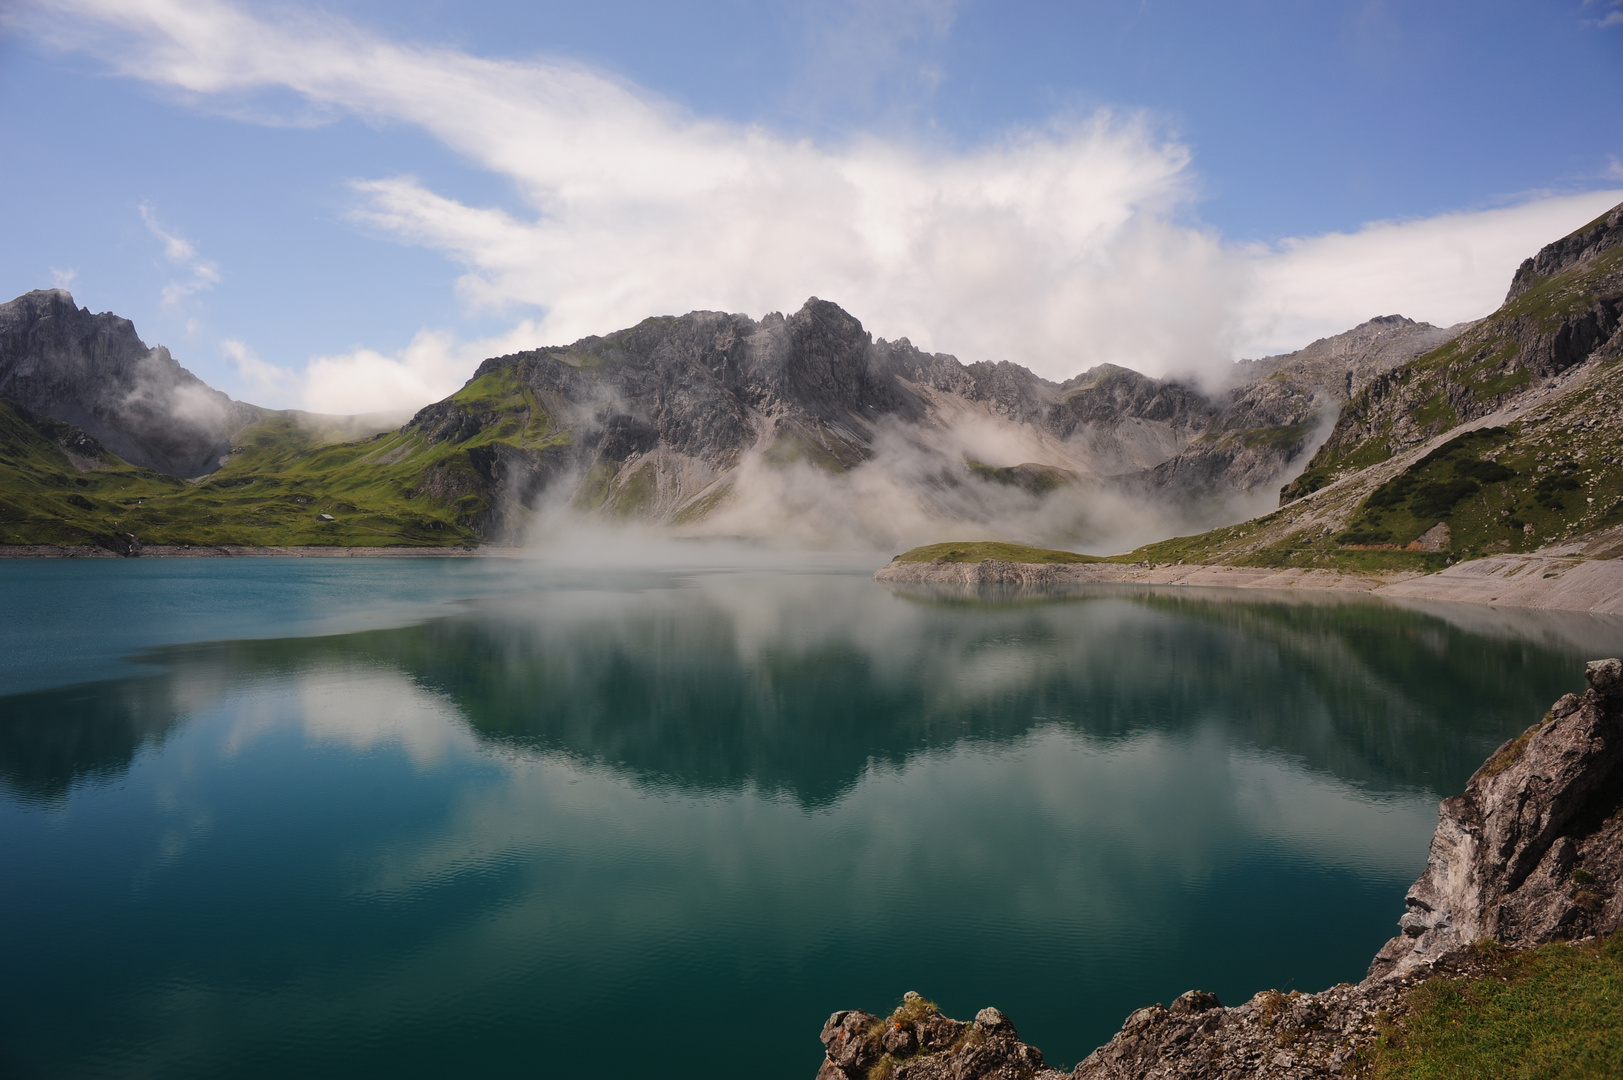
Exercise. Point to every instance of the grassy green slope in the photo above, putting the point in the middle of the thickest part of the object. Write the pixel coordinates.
(1553, 475)
(400, 488)
(1464, 378)
(1552, 1013)
(45, 499)
(1554, 472)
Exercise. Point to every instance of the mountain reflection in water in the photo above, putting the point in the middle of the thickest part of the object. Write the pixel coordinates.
(792, 691)
(674, 816)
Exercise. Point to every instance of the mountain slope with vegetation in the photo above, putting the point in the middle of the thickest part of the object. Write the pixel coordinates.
(693, 422)
(1509, 437)
(1506, 439)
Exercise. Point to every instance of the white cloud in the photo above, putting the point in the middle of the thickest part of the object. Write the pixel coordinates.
(432, 366)
(180, 251)
(1441, 270)
(1613, 18)
(64, 279)
(266, 382)
(1058, 247)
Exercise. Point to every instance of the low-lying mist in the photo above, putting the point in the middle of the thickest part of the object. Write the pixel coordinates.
(976, 478)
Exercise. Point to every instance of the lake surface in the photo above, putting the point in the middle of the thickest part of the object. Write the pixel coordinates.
(419, 818)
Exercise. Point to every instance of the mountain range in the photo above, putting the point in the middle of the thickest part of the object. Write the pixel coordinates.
(709, 423)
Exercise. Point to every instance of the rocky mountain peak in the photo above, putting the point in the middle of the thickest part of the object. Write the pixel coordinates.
(1602, 234)
(94, 372)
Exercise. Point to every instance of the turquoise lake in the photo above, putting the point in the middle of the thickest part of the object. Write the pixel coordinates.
(426, 818)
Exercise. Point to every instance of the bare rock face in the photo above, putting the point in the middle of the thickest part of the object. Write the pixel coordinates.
(1279, 408)
(93, 372)
(1569, 251)
(1533, 850)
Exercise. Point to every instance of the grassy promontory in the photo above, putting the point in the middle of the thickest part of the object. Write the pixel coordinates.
(974, 551)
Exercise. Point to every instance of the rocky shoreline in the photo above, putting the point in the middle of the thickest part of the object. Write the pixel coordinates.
(1530, 853)
(1554, 579)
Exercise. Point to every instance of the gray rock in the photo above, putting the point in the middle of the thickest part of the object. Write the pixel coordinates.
(1531, 852)
(1503, 856)
(93, 372)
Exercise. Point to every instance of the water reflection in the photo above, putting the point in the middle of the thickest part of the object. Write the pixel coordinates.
(579, 829)
(794, 685)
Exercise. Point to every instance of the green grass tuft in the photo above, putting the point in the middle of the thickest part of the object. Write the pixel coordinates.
(1552, 1013)
(972, 551)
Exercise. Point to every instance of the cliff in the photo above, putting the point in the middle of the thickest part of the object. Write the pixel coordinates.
(92, 371)
(1530, 853)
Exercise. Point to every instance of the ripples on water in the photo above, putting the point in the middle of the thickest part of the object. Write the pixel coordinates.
(423, 819)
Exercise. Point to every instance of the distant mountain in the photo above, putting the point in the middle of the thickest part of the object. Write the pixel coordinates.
(93, 372)
(1281, 406)
(663, 419)
(706, 422)
(1503, 439)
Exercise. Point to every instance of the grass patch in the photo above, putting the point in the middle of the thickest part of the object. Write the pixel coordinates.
(1452, 483)
(1507, 755)
(981, 550)
(636, 494)
(1552, 1013)
(703, 506)
(1436, 412)
(794, 444)
(1286, 439)
(1028, 476)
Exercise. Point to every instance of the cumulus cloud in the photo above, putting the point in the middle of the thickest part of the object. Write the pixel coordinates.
(1058, 246)
(433, 364)
(200, 273)
(266, 382)
(1442, 270)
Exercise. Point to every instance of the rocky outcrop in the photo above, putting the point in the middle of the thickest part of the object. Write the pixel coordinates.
(917, 1043)
(93, 372)
(1531, 852)
(655, 421)
(670, 407)
(1572, 250)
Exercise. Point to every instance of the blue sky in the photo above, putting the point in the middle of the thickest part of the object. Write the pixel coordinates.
(346, 205)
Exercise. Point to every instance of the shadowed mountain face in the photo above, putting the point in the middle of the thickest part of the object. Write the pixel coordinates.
(92, 371)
